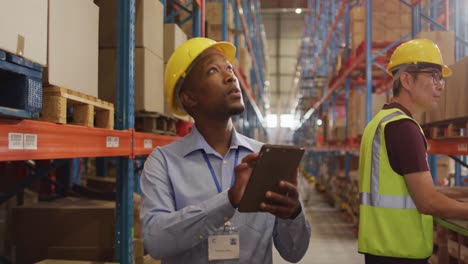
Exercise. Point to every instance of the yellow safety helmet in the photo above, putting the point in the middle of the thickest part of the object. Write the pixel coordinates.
(417, 51)
(180, 61)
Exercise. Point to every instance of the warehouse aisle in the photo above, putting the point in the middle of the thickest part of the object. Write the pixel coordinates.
(332, 240)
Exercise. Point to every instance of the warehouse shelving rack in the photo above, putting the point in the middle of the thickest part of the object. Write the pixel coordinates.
(54, 141)
(315, 55)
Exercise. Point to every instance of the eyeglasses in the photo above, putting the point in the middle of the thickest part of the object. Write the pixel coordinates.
(437, 77)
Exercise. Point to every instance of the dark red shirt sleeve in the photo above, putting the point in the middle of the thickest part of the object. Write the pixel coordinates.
(406, 147)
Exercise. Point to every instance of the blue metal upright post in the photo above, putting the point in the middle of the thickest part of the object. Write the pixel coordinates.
(347, 21)
(323, 36)
(224, 22)
(368, 61)
(196, 20)
(458, 31)
(416, 19)
(433, 12)
(433, 166)
(237, 25)
(458, 172)
(125, 120)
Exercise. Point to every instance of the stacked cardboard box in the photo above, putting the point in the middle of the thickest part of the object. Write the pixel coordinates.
(245, 62)
(28, 38)
(149, 52)
(390, 21)
(69, 228)
(357, 111)
(59, 34)
(214, 13)
(173, 38)
(72, 59)
(457, 91)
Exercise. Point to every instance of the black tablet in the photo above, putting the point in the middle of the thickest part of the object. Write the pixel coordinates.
(274, 163)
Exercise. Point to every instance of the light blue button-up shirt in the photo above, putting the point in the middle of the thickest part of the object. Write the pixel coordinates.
(181, 206)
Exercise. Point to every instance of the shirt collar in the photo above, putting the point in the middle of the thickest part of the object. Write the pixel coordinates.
(195, 141)
(399, 106)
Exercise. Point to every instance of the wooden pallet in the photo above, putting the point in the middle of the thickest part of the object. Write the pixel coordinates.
(452, 128)
(156, 123)
(87, 110)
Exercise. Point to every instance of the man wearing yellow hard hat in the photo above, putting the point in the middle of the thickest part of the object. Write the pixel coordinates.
(397, 194)
(191, 188)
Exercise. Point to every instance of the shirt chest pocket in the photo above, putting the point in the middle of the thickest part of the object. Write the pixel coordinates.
(258, 222)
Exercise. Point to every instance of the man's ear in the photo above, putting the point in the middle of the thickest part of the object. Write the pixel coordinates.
(187, 99)
(406, 81)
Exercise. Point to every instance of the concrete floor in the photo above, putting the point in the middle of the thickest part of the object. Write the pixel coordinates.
(332, 238)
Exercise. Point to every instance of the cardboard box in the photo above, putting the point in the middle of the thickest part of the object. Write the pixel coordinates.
(62, 261)
(214, 31)
(446, 42)
(23, 29)
(66, 223)
(149, 19)
(149, 75)
(173, 38)
(214, 13)
(73, 45)
(456, 90)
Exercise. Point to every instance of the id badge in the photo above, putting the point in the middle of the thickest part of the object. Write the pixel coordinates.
(224, 244)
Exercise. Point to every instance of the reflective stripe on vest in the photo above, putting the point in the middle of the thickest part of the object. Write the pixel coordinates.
(374, 198)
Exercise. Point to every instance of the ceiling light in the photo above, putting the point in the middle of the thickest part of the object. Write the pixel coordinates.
(298, 11)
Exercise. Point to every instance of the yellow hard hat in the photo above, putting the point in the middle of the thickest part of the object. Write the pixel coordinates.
(417, 51)
(182, 58)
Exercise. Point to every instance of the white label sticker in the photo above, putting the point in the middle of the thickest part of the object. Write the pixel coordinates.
(112, 142)
(148, 144)
(109, 142)
(462, 147)
(30, 141)
(15, 141)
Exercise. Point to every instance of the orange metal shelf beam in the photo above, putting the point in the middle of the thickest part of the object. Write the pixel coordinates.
(448, 146)
(144, 143)
(59, 141)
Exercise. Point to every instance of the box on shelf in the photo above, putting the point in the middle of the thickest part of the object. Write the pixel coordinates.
(456, 90)
(214, 31)
(149, 92)
(384, 25)
(24, 29)
(149, 19)
(64, 228)
(61, 261)
(214, 13)
(173, 38)
(72, 60)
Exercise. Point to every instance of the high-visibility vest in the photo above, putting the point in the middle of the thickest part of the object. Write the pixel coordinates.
(389, 222)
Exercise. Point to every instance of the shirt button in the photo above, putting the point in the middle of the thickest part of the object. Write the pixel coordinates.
(201, 237)
(224, 161)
